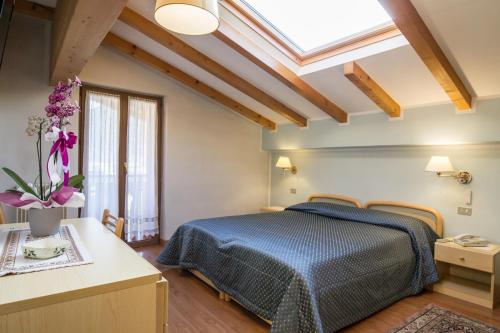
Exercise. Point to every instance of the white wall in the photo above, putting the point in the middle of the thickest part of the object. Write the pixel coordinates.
(374, 157)
(429, 125)
(23, 93)
(397, 174)
(213, 164)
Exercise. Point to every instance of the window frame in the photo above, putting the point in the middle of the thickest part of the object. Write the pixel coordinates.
(288, 48)
(122, 152)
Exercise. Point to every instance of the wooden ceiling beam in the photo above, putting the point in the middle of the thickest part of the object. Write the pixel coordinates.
(412, 26)
(176, 45)
(370, 88)
(33, 9)
(259, 57)
(78, 29)
(175, 73)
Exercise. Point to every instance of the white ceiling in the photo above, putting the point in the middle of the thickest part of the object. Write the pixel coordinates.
(399, 71)
(172, 58)
(467, 31)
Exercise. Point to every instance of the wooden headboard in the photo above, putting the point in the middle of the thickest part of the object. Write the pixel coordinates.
(335, 198)
(428, 215)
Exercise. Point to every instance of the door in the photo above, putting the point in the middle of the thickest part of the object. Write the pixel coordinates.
(120, 150)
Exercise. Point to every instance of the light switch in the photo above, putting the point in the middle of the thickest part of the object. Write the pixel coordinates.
(464, 211)
(468, 197)
(293, 191)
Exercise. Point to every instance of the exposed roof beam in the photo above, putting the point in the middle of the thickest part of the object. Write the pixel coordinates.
(78, 29)
(176, 45)
(255, 54)
(371, 89)
(33, 9)
(412, 26)
(164, 67)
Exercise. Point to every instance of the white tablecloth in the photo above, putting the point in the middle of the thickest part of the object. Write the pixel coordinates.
(12, 260)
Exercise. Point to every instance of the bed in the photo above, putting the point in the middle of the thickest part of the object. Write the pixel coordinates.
(317, 266)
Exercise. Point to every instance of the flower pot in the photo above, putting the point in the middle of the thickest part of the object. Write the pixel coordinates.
(45, 222)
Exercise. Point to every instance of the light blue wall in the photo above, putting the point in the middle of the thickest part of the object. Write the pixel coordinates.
(397, 172)
(421, 126)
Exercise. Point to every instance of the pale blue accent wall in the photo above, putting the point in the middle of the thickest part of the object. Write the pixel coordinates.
(369, 169)
(421, 126)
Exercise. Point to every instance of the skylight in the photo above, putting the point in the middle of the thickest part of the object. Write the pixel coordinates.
(313, 24)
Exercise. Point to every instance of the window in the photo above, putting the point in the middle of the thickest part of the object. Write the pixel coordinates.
(306, 29)
(101, 166)
(121, 159)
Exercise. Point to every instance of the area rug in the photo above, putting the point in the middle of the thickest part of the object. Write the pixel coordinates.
(435, 319)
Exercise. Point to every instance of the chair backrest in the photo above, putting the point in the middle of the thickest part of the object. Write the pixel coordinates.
(2, 215)
(115, 224)
(21, 215)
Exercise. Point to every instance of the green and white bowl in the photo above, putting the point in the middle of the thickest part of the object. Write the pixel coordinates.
(45, 248)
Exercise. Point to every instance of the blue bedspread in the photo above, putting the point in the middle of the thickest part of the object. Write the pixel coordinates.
(315, 267)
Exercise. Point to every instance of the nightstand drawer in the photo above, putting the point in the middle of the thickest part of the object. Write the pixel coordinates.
(463, 257)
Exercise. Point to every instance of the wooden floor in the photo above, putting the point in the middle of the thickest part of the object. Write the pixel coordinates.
(195, 307)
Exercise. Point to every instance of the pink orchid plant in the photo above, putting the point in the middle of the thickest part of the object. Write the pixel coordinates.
(57, 192)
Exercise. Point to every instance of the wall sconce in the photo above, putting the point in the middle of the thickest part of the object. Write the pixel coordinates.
(442, 166)
(285, 164)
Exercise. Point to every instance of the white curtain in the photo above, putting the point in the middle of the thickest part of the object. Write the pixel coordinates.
(141, 206)
(100, 156)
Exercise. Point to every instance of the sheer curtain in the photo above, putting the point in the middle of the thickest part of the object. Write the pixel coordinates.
(141, 204)
(100, 156)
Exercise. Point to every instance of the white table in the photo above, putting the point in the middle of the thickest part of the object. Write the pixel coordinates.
(119, 292)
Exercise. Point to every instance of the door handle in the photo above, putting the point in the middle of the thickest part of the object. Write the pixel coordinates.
(125, 166)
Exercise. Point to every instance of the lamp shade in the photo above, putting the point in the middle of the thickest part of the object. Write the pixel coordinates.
(284, 163)
(439, 164)
(189, 17)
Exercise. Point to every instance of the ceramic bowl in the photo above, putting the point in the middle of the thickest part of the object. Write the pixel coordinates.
(45, 248)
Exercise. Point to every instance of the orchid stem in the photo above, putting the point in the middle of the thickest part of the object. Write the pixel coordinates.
(39, 152)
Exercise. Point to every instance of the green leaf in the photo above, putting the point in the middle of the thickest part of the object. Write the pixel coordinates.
(75, 181)
(19, 181)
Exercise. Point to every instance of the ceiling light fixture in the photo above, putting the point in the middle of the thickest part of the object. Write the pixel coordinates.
(189, 17)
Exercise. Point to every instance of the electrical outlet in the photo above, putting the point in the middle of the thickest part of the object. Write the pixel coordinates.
(464, 211)
(293, 191)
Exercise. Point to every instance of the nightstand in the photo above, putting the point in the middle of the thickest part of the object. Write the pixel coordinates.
(467, 273)
(272, 209)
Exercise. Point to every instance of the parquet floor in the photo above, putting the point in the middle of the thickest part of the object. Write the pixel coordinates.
(195, 307)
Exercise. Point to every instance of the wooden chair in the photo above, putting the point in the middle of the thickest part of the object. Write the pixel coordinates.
(2, 215)
(116, 225)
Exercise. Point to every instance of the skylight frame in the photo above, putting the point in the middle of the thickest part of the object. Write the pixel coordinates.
(263, 27)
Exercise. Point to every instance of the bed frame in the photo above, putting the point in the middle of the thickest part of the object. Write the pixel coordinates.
(222, 295)
(335, 198)
(428, 215)
(317, 197)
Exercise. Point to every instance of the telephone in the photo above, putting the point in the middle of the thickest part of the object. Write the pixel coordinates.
(463, 237)
(470, 240)
(467, 240)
